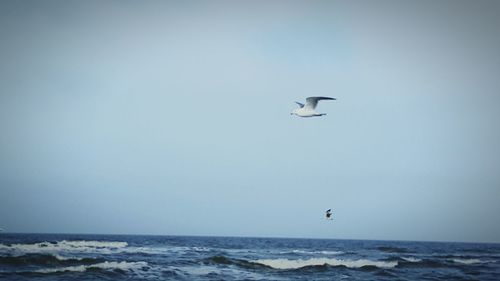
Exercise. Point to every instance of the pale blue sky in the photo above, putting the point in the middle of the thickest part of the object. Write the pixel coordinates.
(173, 118)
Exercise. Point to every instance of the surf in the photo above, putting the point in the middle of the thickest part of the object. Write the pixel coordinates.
(64, 246)
(300, 263)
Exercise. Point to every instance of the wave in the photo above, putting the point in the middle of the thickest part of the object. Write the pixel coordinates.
(312, 252)
(63, 246)
(163, 250)
(301, 263)
(468, 261)
(45, 260)
(411, 259)
(113, 266)
(214, 272)
(222, 260)
(412, 262)
(71, 247)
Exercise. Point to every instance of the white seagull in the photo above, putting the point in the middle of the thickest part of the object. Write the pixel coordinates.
(308, 109)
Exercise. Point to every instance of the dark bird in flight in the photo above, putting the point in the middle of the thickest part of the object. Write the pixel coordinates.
(328, 214)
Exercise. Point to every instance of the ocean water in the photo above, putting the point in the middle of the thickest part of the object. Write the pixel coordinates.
(135, 257)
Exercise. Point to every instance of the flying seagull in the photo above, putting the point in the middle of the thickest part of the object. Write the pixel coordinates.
(308, 109)
(328, 214)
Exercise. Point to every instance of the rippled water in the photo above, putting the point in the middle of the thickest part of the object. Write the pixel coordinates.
(105, 257)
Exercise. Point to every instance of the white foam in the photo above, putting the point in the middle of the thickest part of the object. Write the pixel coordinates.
(95, 244)
(201, 249)
(331, 252)
(64, 258)
(164, 250)
(102, 247)
(199, 271)
(315, 252)
(66, 248)
(125, 266)
(412, 259)
(467, 261)
(294, 264)
(145, 250)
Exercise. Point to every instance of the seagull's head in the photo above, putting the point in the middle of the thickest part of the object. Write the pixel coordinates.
(294, 112)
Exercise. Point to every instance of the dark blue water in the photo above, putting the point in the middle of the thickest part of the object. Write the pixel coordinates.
(105, 257)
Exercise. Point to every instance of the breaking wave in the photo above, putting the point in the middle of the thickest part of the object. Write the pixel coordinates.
(114, 266)
(45, 260)
(313, 252)
(293, 264)
(65, 248)
(411, 259)
(468, 261)
(62, 246)
(412, 262)
(222, 260)
(300, 263)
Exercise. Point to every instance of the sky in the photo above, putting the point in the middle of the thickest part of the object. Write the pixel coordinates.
(173, 118)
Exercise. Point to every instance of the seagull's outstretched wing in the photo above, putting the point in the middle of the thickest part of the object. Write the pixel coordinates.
(312, 102)
(300, 104)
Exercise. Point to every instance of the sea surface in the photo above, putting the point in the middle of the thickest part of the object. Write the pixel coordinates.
(135, 257)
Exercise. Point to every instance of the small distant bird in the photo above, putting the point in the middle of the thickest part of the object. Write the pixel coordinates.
(328, 214)
(308, 109)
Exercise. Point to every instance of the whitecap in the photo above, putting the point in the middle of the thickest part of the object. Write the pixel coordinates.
(93, 244)
(103, 247)
(467, 261)
(65, 258)
(199, 271)
(201, 249)
(123, 265)
(315, 252)
(411, 259)
(294, 264)
(331, 252)
(160, 250)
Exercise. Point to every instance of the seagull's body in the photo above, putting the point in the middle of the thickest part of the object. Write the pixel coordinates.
(308, 109)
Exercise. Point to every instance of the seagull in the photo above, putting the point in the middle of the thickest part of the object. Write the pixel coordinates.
(307, 110)
(328, 214)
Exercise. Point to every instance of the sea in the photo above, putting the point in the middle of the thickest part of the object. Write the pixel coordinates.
(142, 257)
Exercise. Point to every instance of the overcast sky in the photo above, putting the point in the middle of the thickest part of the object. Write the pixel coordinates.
(174, 118)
